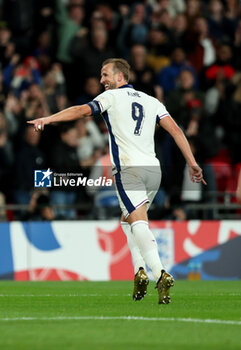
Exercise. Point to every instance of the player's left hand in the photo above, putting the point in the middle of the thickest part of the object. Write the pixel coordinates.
(37, 123)
(196, 174)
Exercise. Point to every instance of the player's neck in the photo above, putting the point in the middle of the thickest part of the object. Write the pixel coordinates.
(123, 85)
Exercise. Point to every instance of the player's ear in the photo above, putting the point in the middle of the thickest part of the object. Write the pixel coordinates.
(120, 76)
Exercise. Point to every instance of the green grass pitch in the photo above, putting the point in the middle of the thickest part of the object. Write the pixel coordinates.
(102, 315)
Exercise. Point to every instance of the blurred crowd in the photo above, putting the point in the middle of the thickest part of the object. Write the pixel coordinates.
(186, 53)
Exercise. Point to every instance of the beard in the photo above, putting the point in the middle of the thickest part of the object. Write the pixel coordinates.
(112, 86)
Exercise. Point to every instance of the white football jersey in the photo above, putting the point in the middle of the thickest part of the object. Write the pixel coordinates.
(131, 117)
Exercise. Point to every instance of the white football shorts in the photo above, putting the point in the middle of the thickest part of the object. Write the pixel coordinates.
(136, 186)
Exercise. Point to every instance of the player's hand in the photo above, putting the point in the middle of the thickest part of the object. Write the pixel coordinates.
(196, 174)
(37, 123)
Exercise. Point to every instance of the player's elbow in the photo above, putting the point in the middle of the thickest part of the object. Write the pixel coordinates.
(169, 124)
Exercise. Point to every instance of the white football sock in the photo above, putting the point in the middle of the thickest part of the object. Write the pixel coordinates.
(137, 259)
(148, 246)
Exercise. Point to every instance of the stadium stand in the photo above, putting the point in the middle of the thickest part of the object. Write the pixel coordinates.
(185, 53)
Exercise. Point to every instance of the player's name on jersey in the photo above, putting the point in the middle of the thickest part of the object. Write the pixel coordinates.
(133, 94)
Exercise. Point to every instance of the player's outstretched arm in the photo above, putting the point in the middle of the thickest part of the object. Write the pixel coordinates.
(68, 114)
(194, 170)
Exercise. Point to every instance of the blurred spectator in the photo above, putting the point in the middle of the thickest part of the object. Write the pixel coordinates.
(35, 103)
(165, 21)
(97, 20)
(162, 23)
(193, 11)
(19, 15)
(222, 69)
(64, 159)
(105, 199)
(95, 52)
(217, 81)
(135, 30)
(43, 51)
(167, 78)
(179, 29)
(32, 102)
(39, 207)
(201, 46)
(4, 127)
(13, 112)
(221, 27)
(19, 77)
(113, 20)
(103, 128)
(6, 161)
(197, 194)
(44, 17)
(69, 24)
(28, 158)
(185, 103)
(90, 142)
(9, 70)
(141, 75)
(89, 55)
(7, 47)
(228, 115)
(174, 7)
(92, 88)
(3, 92)
(237, 47)
(232, 10)
(54, 89)
(159, 48)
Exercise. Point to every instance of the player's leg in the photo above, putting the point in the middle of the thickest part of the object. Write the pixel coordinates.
(145, 240)
(141, 279)
(138, 220)
(149, 250)
(136, 256)
(132, 196)
(165, 280)
(126, 182)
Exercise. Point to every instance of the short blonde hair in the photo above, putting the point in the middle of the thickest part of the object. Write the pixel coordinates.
(119, 65)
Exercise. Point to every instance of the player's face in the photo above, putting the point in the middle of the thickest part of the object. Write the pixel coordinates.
(108, 77)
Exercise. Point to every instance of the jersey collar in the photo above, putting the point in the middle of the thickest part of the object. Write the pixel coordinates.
(126, 86)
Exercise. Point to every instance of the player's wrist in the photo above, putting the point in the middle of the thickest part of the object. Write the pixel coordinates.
(46, 120)
(192, 164)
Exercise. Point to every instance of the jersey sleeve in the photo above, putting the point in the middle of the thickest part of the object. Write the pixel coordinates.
(161, 112)
(100, 104)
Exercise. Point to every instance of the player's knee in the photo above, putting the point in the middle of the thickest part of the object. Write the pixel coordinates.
(139, 226)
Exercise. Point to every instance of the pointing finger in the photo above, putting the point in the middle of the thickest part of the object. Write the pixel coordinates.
(204, 182)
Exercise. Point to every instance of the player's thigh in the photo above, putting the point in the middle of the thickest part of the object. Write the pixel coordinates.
(138, 214)
(131, 192)
(152, 181)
